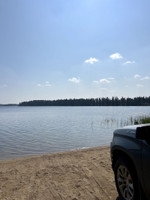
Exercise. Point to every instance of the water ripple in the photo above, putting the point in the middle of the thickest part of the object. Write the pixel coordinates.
(28, 131)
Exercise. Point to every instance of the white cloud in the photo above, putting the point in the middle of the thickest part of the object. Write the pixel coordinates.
(47, 84)
(74, 80)
(116, 56)
(91, 60)
(128, 62)
(137, 76)
(145, 78)
(103, 81)
(139, 85)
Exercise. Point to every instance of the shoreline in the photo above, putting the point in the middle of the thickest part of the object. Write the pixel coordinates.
(49, 153)
(52, 153)
(83, 174)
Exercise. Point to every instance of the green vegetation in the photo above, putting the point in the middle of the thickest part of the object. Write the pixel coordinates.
(114, 101)
(113, 123)
(142, 120)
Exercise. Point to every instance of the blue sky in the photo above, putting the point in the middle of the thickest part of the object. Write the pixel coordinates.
(52, 49)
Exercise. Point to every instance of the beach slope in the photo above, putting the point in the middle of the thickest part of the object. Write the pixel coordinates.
(74, 175)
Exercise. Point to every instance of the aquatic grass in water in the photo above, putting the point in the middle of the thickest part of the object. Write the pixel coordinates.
(115, 123)
(142, 120)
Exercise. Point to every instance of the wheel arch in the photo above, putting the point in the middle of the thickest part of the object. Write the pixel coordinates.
(117, 153)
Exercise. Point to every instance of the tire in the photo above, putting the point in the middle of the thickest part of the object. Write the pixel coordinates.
(126, 180)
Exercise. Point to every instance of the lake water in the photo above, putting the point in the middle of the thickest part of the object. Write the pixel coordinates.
(26, 131)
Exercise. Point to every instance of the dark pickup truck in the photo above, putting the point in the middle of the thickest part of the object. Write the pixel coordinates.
(130, 155)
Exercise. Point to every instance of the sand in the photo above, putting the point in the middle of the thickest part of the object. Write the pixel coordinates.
(74, 175)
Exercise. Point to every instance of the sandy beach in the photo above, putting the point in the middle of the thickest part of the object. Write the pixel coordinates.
(74, 175)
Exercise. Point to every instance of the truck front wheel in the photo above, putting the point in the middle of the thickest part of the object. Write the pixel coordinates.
(126, 180)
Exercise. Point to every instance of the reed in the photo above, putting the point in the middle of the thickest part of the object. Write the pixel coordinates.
(115, 123)
(142, 120)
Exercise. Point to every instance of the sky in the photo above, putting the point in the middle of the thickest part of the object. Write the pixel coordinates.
(58, 49)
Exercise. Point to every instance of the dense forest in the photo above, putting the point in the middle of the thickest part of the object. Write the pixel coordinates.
(114, 101)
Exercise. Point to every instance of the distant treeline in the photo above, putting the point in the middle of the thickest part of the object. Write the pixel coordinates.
(114, 101)
(11, 104)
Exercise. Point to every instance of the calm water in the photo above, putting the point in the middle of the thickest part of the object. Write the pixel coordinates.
(26, 131)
